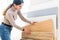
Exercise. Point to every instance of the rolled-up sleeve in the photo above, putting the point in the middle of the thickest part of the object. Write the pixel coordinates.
(9, 17)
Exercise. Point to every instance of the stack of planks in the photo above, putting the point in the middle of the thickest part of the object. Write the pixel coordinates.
(43, 30)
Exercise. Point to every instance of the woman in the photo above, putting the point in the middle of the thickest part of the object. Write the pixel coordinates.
(10, 15)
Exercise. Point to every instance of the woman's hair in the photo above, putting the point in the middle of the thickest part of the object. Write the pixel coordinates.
(17, 2)
(7, 9)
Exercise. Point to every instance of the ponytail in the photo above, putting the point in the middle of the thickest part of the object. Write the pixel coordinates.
(7, 9)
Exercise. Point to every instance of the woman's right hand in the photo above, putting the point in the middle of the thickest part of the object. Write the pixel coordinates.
(27, 31)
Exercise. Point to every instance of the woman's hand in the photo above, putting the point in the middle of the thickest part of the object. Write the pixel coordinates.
(27, 31)
(33, 23)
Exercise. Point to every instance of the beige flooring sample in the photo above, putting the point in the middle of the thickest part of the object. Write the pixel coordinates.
(40, 31)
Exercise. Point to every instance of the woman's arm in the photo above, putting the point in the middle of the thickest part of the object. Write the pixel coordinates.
(9, 17)
(21, 16)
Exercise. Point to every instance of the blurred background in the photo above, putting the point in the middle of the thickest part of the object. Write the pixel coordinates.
(33, 10)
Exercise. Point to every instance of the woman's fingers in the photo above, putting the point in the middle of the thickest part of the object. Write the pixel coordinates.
(33, 23)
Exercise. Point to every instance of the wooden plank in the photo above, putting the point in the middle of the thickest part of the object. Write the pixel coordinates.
(44, 26)
(40, 31)
(38, 35)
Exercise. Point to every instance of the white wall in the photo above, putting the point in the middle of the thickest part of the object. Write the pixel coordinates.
(42, 4)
